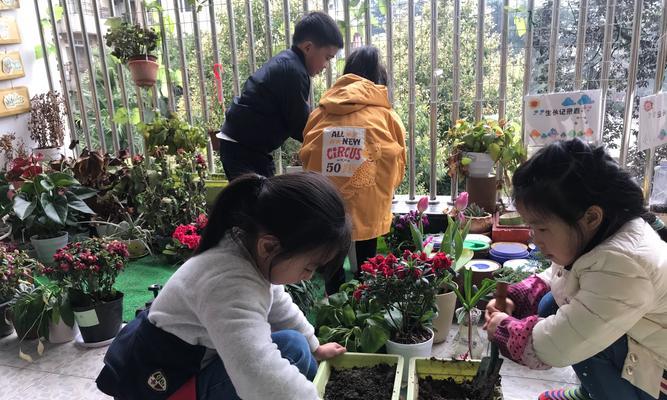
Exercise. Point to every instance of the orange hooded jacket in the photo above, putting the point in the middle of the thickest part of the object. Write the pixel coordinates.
(357, 140)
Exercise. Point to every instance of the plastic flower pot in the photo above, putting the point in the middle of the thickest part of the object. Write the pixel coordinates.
(507, 233)
(144, 70)
(420, 368)
(6, 328)
(407, 351)
(350, 360)
(46, 248)
(101, 321)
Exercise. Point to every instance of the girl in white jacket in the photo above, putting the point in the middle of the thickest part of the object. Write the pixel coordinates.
(608, 278)
(223, 326)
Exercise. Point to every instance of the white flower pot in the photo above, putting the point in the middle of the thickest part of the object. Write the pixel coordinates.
(411, 350)
(50, 154)
(443, 322)
(481, 165)
(46, 248)
(60, 332)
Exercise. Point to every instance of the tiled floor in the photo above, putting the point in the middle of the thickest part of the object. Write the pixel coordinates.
(67, 371)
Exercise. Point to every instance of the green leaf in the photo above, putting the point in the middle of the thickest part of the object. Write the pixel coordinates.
(83, 192)
(23, 208)
(46, 184)
(464, 258)
(417, 236)
(348, 315)
(338, 299)
(28, 188)
(61, 179)
(373, 337)
(38, 52)
(55, 209)
(77, 204)
(58, 12)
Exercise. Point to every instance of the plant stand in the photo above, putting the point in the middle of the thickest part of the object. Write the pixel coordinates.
(438, 370)
(350, 360)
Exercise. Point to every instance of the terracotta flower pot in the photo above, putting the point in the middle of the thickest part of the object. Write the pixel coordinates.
(144, 70)
(480, 224)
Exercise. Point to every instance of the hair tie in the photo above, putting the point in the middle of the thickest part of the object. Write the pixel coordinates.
(657, 224)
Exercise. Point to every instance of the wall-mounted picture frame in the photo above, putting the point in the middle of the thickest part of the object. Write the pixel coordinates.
(14, 101)
(11, 65)
(9, 31)
(9, 4)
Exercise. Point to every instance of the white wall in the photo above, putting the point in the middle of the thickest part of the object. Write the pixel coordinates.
(35, 72)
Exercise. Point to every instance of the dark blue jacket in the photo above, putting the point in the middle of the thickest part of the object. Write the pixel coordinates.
(273, 104)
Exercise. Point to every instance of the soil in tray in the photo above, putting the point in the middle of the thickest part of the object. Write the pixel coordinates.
(367, 383)
(448, 389)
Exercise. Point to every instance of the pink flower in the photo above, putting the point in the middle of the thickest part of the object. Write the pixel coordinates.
(422, 205)
(461, 202)
(461, 218)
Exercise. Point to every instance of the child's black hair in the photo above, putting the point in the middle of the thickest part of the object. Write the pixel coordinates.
(365, 62)
(303, 210)
(319, 28)
(565, 178)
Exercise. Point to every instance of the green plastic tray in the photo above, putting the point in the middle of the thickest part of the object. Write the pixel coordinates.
(350, 360)
(440, 369)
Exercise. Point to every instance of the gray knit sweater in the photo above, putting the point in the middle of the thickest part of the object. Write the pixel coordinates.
(220, 300)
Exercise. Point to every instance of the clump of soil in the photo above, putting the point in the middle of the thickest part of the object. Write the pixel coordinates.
(363, 383)
(448, 389)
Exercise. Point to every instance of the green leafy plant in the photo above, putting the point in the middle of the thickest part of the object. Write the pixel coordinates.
(358, 325)
(128, 40)
(473, 210)
(173, 133)
(51, 202)
(304, 294)
(35, 306)
(501, 140)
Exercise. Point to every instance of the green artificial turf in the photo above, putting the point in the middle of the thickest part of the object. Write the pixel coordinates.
(137, 277)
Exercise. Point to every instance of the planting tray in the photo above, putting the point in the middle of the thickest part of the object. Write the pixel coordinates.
(350, 360)
(440, 369)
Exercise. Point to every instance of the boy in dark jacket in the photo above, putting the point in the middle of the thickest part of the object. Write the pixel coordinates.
(274, 102)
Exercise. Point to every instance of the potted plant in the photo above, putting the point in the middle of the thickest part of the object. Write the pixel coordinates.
(185, 239)
(360, 376)
(404, 226)
(358, 325)
(90, 269)
(173, 133)
(42, 311)
(405, 288)
(133, 45)
(468, 343)
(480, 220)
(48, 204)
(46, 125)
(15, 268)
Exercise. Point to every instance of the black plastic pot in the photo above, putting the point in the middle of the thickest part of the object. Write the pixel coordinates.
(101, 321)
(6, 329)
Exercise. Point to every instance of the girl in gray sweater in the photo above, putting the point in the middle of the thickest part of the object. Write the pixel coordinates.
(223, 326)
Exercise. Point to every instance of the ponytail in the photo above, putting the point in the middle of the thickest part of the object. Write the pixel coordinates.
(303, 211)
(233, 207)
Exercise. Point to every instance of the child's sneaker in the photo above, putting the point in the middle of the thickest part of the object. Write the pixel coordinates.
(564, 394)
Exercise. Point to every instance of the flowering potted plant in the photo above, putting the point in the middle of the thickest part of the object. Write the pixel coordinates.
(405, 288)
(134, 45)
(90, 269)
(15, 268)
(185, 239)
(46, 125)
(406, 230)
(24, 168)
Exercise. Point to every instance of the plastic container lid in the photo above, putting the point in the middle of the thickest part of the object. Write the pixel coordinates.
(483, 265)
(510, 250)
(478, 237)
(476, 245)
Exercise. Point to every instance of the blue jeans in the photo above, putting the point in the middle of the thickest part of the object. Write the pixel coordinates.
(214, 383)
(600, 375)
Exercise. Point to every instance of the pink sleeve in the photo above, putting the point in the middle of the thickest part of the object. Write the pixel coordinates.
(514, 338)
(526, 295)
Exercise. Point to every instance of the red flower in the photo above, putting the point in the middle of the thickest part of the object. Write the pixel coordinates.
(202, 221)
(441, 260)
(138, 159)
(199, 159)
(187, 235)
(417, 272)
(368, 268)
(359, 291)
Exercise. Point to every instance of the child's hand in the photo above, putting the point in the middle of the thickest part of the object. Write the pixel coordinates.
(491, 308)
(493, 321)
(328, 350)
